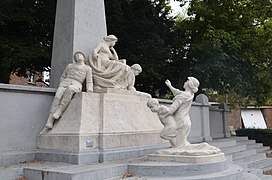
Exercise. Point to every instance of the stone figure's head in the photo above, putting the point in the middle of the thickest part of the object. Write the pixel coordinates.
(153, 104)
(111, 39)
(192, 83)
(79, 57)
(137, 69)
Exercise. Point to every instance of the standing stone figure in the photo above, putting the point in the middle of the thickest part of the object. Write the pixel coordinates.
(179, 111)
(108, 70)
(169, 132)
(70, 83)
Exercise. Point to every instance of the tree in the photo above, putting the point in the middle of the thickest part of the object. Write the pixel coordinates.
(144, 31)
(228, 46)
(26, 34)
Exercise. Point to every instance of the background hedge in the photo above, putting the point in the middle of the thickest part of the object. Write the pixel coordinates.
(260, 135)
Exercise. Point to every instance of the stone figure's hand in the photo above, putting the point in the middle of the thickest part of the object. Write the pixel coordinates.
(168, 83)
(95, 56)
(90, 89)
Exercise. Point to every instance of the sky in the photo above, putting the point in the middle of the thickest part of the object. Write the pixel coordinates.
(177, 9)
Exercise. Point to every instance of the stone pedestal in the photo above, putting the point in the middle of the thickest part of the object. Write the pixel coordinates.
(98, 127)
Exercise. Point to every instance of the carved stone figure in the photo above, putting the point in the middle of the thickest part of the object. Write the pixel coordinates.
(71, 82)
(179, 111)
(169, 132)
(108, 70)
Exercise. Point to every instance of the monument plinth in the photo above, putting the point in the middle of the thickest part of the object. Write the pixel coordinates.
(102, 127)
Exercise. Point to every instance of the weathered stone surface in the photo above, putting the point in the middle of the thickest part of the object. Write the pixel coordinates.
(103, 121)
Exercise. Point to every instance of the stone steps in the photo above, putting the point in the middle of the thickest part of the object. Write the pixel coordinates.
(263, 149)
(56, 171)
(168, 169)
(221, 143)
(242, 154)
(261, 163)
(252, 157)
(232, 172)
(234, 149)
(245, 154)
(244, 161)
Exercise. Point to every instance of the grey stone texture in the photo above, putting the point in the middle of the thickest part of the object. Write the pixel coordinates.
(118, 126)
(116, 170)
(23, 112)
(79, 26)
(219, 121)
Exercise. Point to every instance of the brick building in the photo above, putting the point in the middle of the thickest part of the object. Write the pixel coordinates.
(235, 120)
(32, 79)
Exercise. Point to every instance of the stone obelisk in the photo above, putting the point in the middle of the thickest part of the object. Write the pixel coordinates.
(79, 26)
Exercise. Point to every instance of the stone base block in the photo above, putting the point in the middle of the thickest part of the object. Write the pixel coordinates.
(67, 157)
(130, 152)
(96, 156)
(102, 127)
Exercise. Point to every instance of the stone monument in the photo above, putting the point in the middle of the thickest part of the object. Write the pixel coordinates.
(183, 159)
(177, 125)
(111, 123)
(108, 70)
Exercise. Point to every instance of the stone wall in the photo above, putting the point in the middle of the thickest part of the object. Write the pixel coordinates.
(23, 113)
(219, 121)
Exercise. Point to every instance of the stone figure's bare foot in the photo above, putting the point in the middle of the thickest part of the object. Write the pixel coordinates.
(50, 121)
(49, 125)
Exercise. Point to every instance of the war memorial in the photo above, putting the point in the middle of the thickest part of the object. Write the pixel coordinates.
(93, 124)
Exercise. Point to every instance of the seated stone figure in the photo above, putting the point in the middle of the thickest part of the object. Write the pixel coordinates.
(108, 70)
(169, 132)
(70, 83)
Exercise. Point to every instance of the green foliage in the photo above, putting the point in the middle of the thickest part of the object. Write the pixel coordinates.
(169, 95)
(226, 44)
(144, 31)
(229, 45)
(26, 33)
(260, 135)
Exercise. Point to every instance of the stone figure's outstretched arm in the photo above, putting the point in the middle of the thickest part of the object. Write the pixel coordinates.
(89, 80)
(174, 90)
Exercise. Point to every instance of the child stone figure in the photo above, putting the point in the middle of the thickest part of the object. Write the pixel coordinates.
(169, 132)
